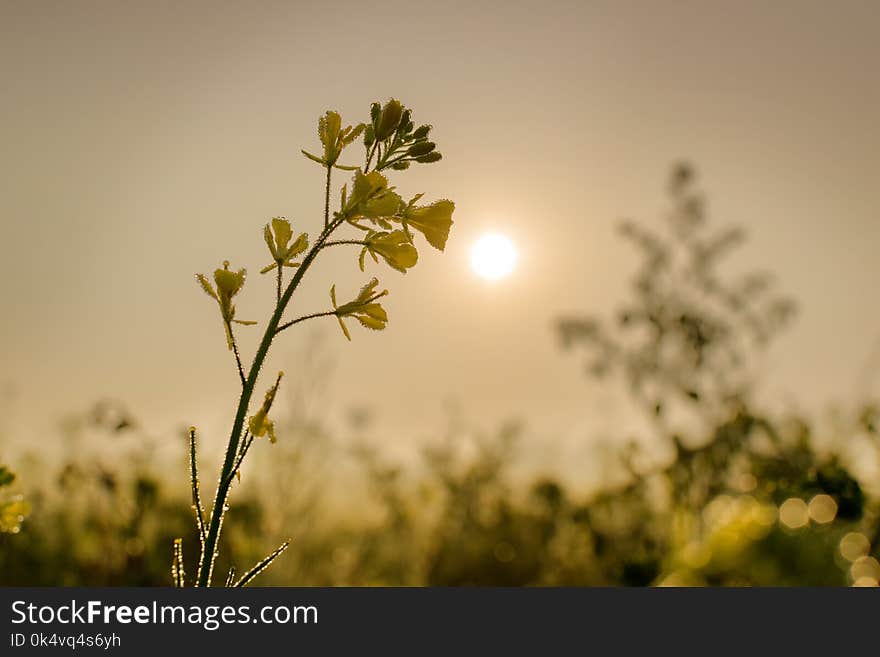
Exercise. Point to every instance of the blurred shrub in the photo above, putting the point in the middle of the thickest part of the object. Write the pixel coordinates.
(743, 496)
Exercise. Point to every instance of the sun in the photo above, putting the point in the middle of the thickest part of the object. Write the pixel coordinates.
(493, 257)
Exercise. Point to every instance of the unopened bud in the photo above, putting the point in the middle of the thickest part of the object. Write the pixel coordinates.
(421, 148)
(421, 132)
(433, 156)
(389, 119)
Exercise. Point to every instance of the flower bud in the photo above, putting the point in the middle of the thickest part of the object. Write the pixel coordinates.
(421, 148)
(406, 125)
(433, 156)
(228, 282)
(389, 119)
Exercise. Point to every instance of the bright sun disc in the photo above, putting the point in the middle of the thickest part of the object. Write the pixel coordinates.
(493, 257)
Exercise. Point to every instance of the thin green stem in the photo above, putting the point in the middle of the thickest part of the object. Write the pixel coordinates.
(338, 242)
(304, 318)
(382, 161)
(327, 198)
(370, 156)
(278, 285)
(194, 483)
(213, 535)
(246, 445)
(177, 572)
(399, 158)
(261, 566)
(237, 355)
(246, 440)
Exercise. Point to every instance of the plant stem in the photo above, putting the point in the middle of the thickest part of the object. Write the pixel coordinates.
(194, 484)
(212, 537)
(338, 242)
(370, 157)
(231, 461)
(261, 566)
(278, 285)
(327, 199)
(304, 318)
(246, 445)
(237, 355)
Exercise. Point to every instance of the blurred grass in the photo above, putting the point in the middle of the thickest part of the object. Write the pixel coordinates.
(742, 496)
(106, 514)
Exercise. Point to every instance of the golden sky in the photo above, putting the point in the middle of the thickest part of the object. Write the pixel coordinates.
(144, 142)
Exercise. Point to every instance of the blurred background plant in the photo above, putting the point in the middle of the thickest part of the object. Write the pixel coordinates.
(13, 508)
(720, 490)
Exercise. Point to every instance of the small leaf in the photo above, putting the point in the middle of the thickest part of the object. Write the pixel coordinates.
(313, 158)
(206, 286)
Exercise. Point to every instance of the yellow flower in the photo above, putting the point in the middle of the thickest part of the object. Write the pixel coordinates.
(371, 198)
(433, 221)
(229, 283)
(278, 240)
(334, 138)
(395, 248)
(364, 308)
(260, 424)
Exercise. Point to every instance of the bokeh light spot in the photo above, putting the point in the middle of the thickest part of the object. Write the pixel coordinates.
(823, 508)
(854, 545)
(794, 513)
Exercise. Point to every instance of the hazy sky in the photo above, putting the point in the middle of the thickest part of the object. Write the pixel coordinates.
(144, 142)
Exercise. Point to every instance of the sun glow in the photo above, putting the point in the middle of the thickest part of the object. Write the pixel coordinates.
(493, 257)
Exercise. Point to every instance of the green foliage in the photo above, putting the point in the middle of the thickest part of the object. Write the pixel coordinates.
(744, 495)
(13, 509)
(461, 518)
(685, 343)
(688, 338)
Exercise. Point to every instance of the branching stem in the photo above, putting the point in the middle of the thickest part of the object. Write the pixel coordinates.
(237, 355)
(370, 157)
(338, 242)
(304, 318)
(245, 446)
(209, 548)
(327, 198)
